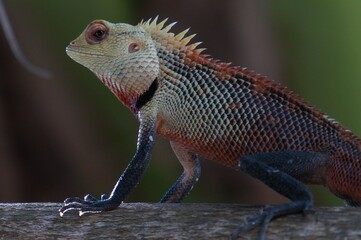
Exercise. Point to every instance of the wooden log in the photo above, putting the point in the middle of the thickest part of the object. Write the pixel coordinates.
(171, 221)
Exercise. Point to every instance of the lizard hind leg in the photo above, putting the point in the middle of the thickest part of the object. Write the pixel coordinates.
(283, 179)
(352, 203)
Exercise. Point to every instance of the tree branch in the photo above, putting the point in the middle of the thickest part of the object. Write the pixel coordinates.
(171, 221)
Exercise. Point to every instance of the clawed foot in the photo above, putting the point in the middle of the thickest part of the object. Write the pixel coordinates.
(267, 215)
(252, 222)
(88, 205)
(262, 219)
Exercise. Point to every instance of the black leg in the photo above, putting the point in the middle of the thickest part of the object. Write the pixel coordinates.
(352, 203)
(281, 182)
(126, 182)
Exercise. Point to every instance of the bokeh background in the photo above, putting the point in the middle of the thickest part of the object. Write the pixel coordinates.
(69, 136)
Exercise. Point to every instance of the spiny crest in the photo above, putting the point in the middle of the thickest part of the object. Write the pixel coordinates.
(160, 33)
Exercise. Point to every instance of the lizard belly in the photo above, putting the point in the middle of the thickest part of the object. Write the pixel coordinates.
(223, 144)
(226, 134)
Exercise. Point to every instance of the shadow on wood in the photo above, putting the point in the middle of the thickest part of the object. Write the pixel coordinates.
(170, 221)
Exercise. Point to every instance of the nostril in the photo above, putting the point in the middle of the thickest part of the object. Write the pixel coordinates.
(72, 43)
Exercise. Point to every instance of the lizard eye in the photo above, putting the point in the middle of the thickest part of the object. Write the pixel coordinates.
(133, 47)
(96, 33)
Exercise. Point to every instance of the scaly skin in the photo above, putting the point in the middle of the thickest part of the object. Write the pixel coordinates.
(208, 109)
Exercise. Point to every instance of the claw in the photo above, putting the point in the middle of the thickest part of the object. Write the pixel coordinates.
(90, 198)
(103, 197)
(252, 222)
(74, 200)
(69, 207)
(88, 205)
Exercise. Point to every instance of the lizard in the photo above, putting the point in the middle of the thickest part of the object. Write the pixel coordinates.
(209, 109)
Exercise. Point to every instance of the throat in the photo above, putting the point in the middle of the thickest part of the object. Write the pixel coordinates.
(129, 97)
(126, 96)
(146, 96)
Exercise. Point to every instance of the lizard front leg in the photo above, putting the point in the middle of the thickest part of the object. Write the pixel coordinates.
(127, 180)
(189, 177)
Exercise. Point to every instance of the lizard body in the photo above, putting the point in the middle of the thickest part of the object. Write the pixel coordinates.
(209, 109)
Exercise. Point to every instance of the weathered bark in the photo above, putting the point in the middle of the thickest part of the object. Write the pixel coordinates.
(170, 221)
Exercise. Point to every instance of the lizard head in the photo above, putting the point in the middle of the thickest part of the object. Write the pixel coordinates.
(123, 56)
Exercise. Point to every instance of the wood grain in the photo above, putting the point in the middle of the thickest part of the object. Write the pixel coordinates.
(170, 221)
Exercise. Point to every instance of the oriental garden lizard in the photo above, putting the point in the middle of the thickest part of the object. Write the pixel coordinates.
(211, 110)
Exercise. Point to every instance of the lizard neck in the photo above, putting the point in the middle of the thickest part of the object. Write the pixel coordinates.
(126, 96)
(131, 99)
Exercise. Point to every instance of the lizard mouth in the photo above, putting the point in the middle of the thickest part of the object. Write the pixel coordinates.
(70, 50)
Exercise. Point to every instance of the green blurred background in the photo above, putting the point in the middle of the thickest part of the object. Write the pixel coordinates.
(69, 136)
